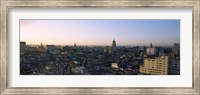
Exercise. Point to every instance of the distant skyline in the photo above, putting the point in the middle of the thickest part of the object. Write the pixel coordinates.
(126, 32)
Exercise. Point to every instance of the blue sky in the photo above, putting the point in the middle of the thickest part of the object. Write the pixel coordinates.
(100, 32)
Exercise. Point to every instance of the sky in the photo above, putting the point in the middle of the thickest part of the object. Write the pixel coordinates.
(126, 32)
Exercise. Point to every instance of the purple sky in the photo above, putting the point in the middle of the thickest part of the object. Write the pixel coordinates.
(100, 32)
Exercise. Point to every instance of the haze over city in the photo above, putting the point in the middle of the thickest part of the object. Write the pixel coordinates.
(100, 32)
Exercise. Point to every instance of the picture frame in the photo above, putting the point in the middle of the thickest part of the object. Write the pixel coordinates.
(4, 49)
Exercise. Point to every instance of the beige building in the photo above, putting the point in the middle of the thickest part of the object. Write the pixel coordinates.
(155, 66)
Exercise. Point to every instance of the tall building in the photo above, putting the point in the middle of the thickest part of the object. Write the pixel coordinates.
(174, 61)
(151, 50)
(174, 66)
(176, 50)
(151, 46)
(155, 66)
(114, 45)
(22, 44)
(22, 47)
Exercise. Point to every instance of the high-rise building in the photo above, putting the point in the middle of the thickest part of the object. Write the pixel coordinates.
(22, 47)
(114, 45)
(155, 66)
(176, 50)
(174, 66)
(22, 44)
(151, 50)
(174, 61)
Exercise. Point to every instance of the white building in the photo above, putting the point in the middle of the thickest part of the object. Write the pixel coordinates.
(114, 65)
(151, 50)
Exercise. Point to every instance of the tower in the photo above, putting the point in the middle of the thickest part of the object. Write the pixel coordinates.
(113, 45)
(151, 50)
(151, 45)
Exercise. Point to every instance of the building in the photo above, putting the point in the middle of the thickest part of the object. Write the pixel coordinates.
(107, 50)
(174, 67)
(41, 48)
(161, 52)
(155, 66)
(53, 49)
(26, 48)
(142, 48)
(151, 50)
(114, 46)
(176, 50)
(22, 44)
(22, 47)
(114, 65)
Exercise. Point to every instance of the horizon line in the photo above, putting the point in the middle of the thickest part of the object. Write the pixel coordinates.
(103, 45)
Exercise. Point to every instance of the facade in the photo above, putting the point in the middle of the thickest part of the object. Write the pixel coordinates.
(22, 44)
(155, 66)
(174, 67)
(176, 50)
(22, 47)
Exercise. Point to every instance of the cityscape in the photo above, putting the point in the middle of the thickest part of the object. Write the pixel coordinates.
(103, 57)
